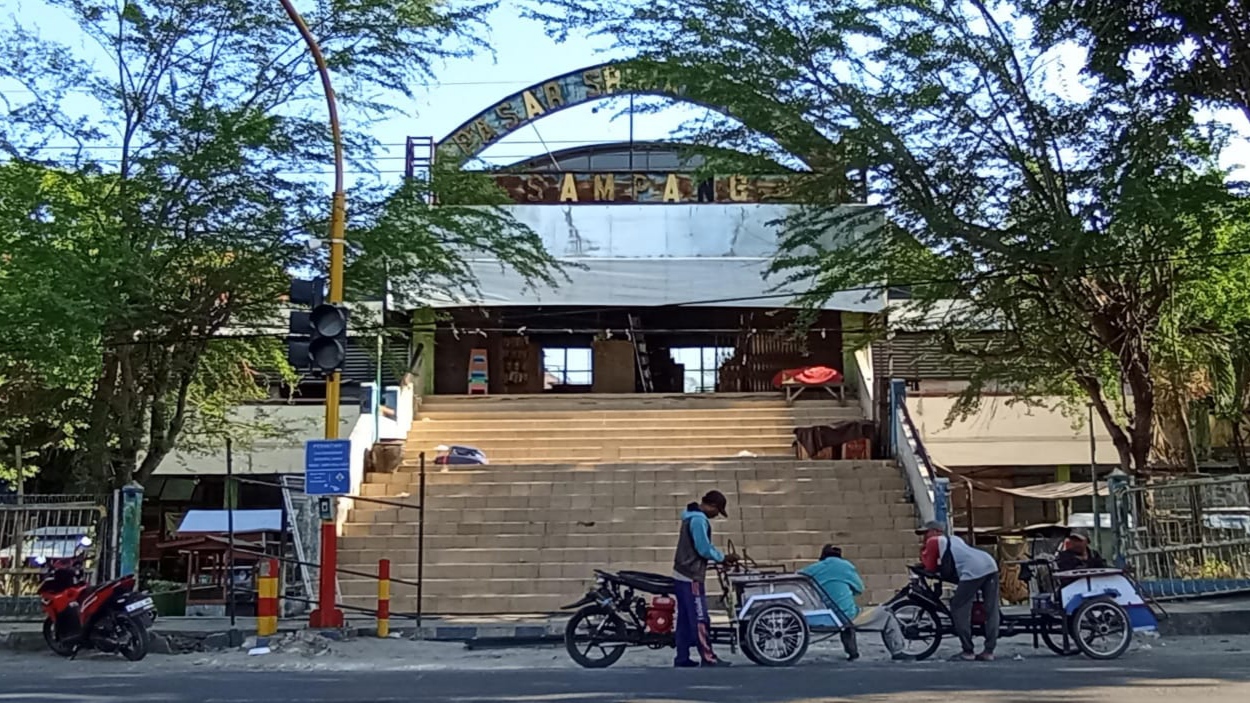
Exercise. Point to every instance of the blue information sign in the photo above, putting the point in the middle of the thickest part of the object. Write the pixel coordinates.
(327, 467)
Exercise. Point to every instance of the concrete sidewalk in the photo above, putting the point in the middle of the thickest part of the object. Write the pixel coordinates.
(1209, 616)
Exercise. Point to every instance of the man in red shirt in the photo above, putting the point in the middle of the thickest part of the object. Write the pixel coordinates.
(975, 572)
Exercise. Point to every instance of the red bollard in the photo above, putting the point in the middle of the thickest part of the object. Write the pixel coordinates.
(384, 597)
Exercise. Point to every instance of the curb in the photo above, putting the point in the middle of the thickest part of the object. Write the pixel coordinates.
(171, 642)
(1229, 622)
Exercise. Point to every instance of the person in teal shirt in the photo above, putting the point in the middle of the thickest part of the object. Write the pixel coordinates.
(841, 582)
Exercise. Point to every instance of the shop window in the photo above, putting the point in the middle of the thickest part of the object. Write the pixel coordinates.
(569, 366)
(701, 365)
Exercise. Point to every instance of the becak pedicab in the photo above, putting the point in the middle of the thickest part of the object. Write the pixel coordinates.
(772, 615)
(1088, 611)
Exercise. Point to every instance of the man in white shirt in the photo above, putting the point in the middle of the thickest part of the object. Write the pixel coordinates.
(975, 572)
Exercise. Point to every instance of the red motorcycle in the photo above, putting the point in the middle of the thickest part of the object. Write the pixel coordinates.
(111, 617)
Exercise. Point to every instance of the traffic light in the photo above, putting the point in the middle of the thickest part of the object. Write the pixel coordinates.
(318, 334)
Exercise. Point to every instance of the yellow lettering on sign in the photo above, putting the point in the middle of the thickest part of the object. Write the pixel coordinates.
(555, 97)
(464, 140)
(593, 79)
(611, 79)
(738, 189)
(484, 130)
(535, 188)
(533, 108)
(507, 113)
(642, 184)
(605, 187)
(672, 193)
(568, 189)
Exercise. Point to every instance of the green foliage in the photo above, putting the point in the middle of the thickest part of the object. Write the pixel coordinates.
(1198, 49)
(1061, 213)
(197, 135)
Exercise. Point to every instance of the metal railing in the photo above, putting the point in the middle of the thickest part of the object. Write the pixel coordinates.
(305, 565)
(1184, 537)
(909, 450)
(43, 529)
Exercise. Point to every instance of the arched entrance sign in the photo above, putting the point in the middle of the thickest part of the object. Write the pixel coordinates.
(541, 99)
(606, 80)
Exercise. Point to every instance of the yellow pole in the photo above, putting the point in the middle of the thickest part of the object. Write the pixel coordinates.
(326, 614)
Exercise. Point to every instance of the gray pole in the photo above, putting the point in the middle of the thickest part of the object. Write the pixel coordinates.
(231, 496)
(1093, 478)
(377, 395)
(21, 480)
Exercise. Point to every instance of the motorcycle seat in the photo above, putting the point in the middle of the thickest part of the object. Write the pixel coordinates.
(648, 582)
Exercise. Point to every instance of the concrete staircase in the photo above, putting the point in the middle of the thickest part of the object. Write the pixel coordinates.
(601, 482)
(624, 428)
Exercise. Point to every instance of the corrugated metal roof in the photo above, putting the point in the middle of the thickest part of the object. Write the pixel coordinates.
(919, 355)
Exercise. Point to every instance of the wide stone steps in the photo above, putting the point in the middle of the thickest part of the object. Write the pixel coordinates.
(583, 482)
(617, 402)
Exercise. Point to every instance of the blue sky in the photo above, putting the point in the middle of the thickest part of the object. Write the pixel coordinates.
(523, 55)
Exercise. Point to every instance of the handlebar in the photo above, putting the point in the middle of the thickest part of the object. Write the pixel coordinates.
(919, 570)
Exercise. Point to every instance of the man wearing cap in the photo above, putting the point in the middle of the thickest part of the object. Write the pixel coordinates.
(974, 571)
(694, 551)
(841, 582)
(1077, 554)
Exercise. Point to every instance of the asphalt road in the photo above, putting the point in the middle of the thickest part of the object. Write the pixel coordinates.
(1141, 677)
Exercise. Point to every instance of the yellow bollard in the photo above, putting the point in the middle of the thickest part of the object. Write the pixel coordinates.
(267, 599)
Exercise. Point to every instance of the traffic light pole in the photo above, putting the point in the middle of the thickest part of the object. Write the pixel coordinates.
(327, 614)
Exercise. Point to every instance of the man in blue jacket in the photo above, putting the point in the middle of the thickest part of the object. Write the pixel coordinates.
(841, 582)
(694, 551)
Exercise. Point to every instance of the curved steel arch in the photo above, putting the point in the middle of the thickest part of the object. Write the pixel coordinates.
(586, 85)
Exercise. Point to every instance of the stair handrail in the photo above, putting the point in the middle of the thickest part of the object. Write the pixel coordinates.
(909, 450)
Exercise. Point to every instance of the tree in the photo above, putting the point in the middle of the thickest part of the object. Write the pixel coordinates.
(1196, 48)
(1063, 214)
(193, 136)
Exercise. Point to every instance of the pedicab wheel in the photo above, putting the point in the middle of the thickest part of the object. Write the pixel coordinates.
(747, 651)
(57, 646)
(1053, 638)
(775, 635)
(1102, 629)
(589, 636)
(922, 628)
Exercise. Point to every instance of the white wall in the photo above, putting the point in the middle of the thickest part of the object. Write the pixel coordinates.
(648, 255)
(1003, 434)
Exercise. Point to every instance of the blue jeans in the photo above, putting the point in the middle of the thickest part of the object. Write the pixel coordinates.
(692, 622)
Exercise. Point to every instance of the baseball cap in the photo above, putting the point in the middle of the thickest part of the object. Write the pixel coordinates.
(717, 500)
(1080, 534)
(930, 525)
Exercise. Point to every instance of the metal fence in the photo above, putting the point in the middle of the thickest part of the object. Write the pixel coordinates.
(1185, 537)
(40, 530)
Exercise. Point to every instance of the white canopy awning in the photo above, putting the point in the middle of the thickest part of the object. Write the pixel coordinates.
(245, 521)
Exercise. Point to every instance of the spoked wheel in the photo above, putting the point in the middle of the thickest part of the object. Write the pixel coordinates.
(776, 635)
(58, 646)
(922, 628)
(1102, 629)
(593, 636)
(747, 651)
(132, 639)
(1054, 638)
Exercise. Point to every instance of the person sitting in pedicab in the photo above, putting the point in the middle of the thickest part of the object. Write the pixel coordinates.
(840, 581)
(1077, 554)
(694, 551)
(973, 571)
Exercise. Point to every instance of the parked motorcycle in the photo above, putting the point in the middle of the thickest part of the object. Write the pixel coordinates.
(112, 617)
